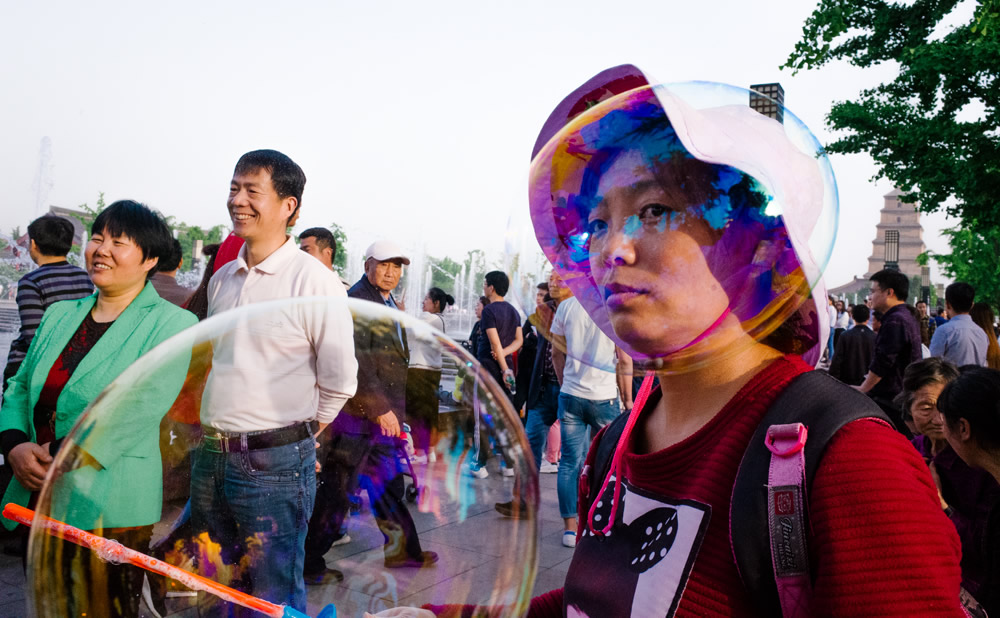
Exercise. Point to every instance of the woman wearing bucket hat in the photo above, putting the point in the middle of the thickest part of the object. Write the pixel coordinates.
(694, 232)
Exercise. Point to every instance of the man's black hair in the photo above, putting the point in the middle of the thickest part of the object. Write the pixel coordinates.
(890, 279)
(53, 235)
(960, 295)
(324, 239)
(860, 313)
(138, 222)
(498, 279)
(287, 177)
(171, 261)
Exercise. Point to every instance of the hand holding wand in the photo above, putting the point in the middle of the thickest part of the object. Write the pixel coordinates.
(115, 552)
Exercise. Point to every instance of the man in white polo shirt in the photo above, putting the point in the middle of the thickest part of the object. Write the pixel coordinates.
(277, 379)
(584, 360)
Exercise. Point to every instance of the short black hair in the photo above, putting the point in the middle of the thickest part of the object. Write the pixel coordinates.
(890, 279)
(484, 301)
(860, 313)
(171, 261)
(324, 239)
(544, 285)
(53, 235)
(960, 295)
(498, 279)
(975, 396)
(138, 222)
(287, 177)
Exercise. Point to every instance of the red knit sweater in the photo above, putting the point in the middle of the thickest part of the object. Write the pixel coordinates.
(881, 543)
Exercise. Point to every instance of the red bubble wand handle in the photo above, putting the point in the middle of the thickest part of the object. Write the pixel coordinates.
(113, 551)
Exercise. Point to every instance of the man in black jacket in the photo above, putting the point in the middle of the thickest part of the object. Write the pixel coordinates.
(854, 349)
(896, 346)
(363, 441)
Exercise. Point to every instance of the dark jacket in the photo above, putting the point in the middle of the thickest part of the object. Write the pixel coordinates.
(525, 363)
(853, 355)
(896, 346)
(382, 363)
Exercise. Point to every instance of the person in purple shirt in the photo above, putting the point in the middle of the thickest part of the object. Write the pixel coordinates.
(500, 326)
(896, 346)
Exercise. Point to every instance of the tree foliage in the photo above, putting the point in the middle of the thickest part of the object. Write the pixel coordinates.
(934, 130)
(975, 259)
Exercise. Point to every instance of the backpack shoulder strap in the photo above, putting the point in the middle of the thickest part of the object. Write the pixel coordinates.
(824, 405)
(607, 440)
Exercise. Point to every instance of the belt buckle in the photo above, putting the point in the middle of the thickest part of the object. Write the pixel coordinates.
(223, 442)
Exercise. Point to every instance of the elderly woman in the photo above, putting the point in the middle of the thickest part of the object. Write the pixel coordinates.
(684, 229)
(115, 482)
(971, 413)
(967, 494)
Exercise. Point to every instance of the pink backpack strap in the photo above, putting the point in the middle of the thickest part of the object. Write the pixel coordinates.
(786, 498)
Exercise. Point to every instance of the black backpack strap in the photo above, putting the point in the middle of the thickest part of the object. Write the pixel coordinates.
(824, 405)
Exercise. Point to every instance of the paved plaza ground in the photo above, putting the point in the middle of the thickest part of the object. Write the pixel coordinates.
(469, 552)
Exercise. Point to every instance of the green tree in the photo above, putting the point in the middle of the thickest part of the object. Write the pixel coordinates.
(975, 259)
(340, 260)
(89, 214)
(443, 273)
(917, 127)
(188, 234)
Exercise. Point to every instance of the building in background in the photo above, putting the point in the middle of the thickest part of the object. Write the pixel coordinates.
(772, 104)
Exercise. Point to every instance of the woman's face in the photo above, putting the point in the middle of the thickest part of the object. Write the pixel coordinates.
(926, 417)
(429, 306)
(479, 310)
(647, 260)
(115, 264)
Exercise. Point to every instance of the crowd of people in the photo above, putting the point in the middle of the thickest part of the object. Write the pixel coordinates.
(704, 466)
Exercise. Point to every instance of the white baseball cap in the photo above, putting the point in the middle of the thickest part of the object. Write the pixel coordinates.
(385, 250)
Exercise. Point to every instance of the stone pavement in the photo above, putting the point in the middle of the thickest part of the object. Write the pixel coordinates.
(469, 554)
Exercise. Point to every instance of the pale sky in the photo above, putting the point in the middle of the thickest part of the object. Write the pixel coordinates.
(412, 121)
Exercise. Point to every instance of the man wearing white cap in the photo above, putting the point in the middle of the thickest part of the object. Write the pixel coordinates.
(362, 442)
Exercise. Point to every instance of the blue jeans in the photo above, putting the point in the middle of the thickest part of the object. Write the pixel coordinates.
(576, 417)
(540, 418)
(256, 505)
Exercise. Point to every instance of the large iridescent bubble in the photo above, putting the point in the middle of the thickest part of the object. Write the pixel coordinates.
(484, 560)
(687, 224)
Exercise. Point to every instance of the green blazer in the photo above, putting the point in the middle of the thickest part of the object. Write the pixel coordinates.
(125, 487)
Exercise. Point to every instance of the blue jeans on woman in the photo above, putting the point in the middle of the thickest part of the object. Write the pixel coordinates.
(256, 505)
(577, 416)
(541, 415)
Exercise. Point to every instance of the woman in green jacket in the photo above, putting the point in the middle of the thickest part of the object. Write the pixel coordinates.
(113, 481)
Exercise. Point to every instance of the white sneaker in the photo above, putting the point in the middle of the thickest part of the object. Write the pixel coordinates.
(479, 472)
(418, 459)
(569, 539)
(432, 456)
(548, 468)
(344, 540)
(508, 472)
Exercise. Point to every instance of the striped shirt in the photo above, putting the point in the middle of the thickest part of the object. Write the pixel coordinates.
(36, 291)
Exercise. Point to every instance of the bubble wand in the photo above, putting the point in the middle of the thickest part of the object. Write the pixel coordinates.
(115, 552)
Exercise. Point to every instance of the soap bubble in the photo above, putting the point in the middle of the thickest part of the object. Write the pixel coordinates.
(139, 437)
(687, 224)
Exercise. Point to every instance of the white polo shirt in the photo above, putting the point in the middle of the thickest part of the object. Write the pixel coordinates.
(282, 366)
